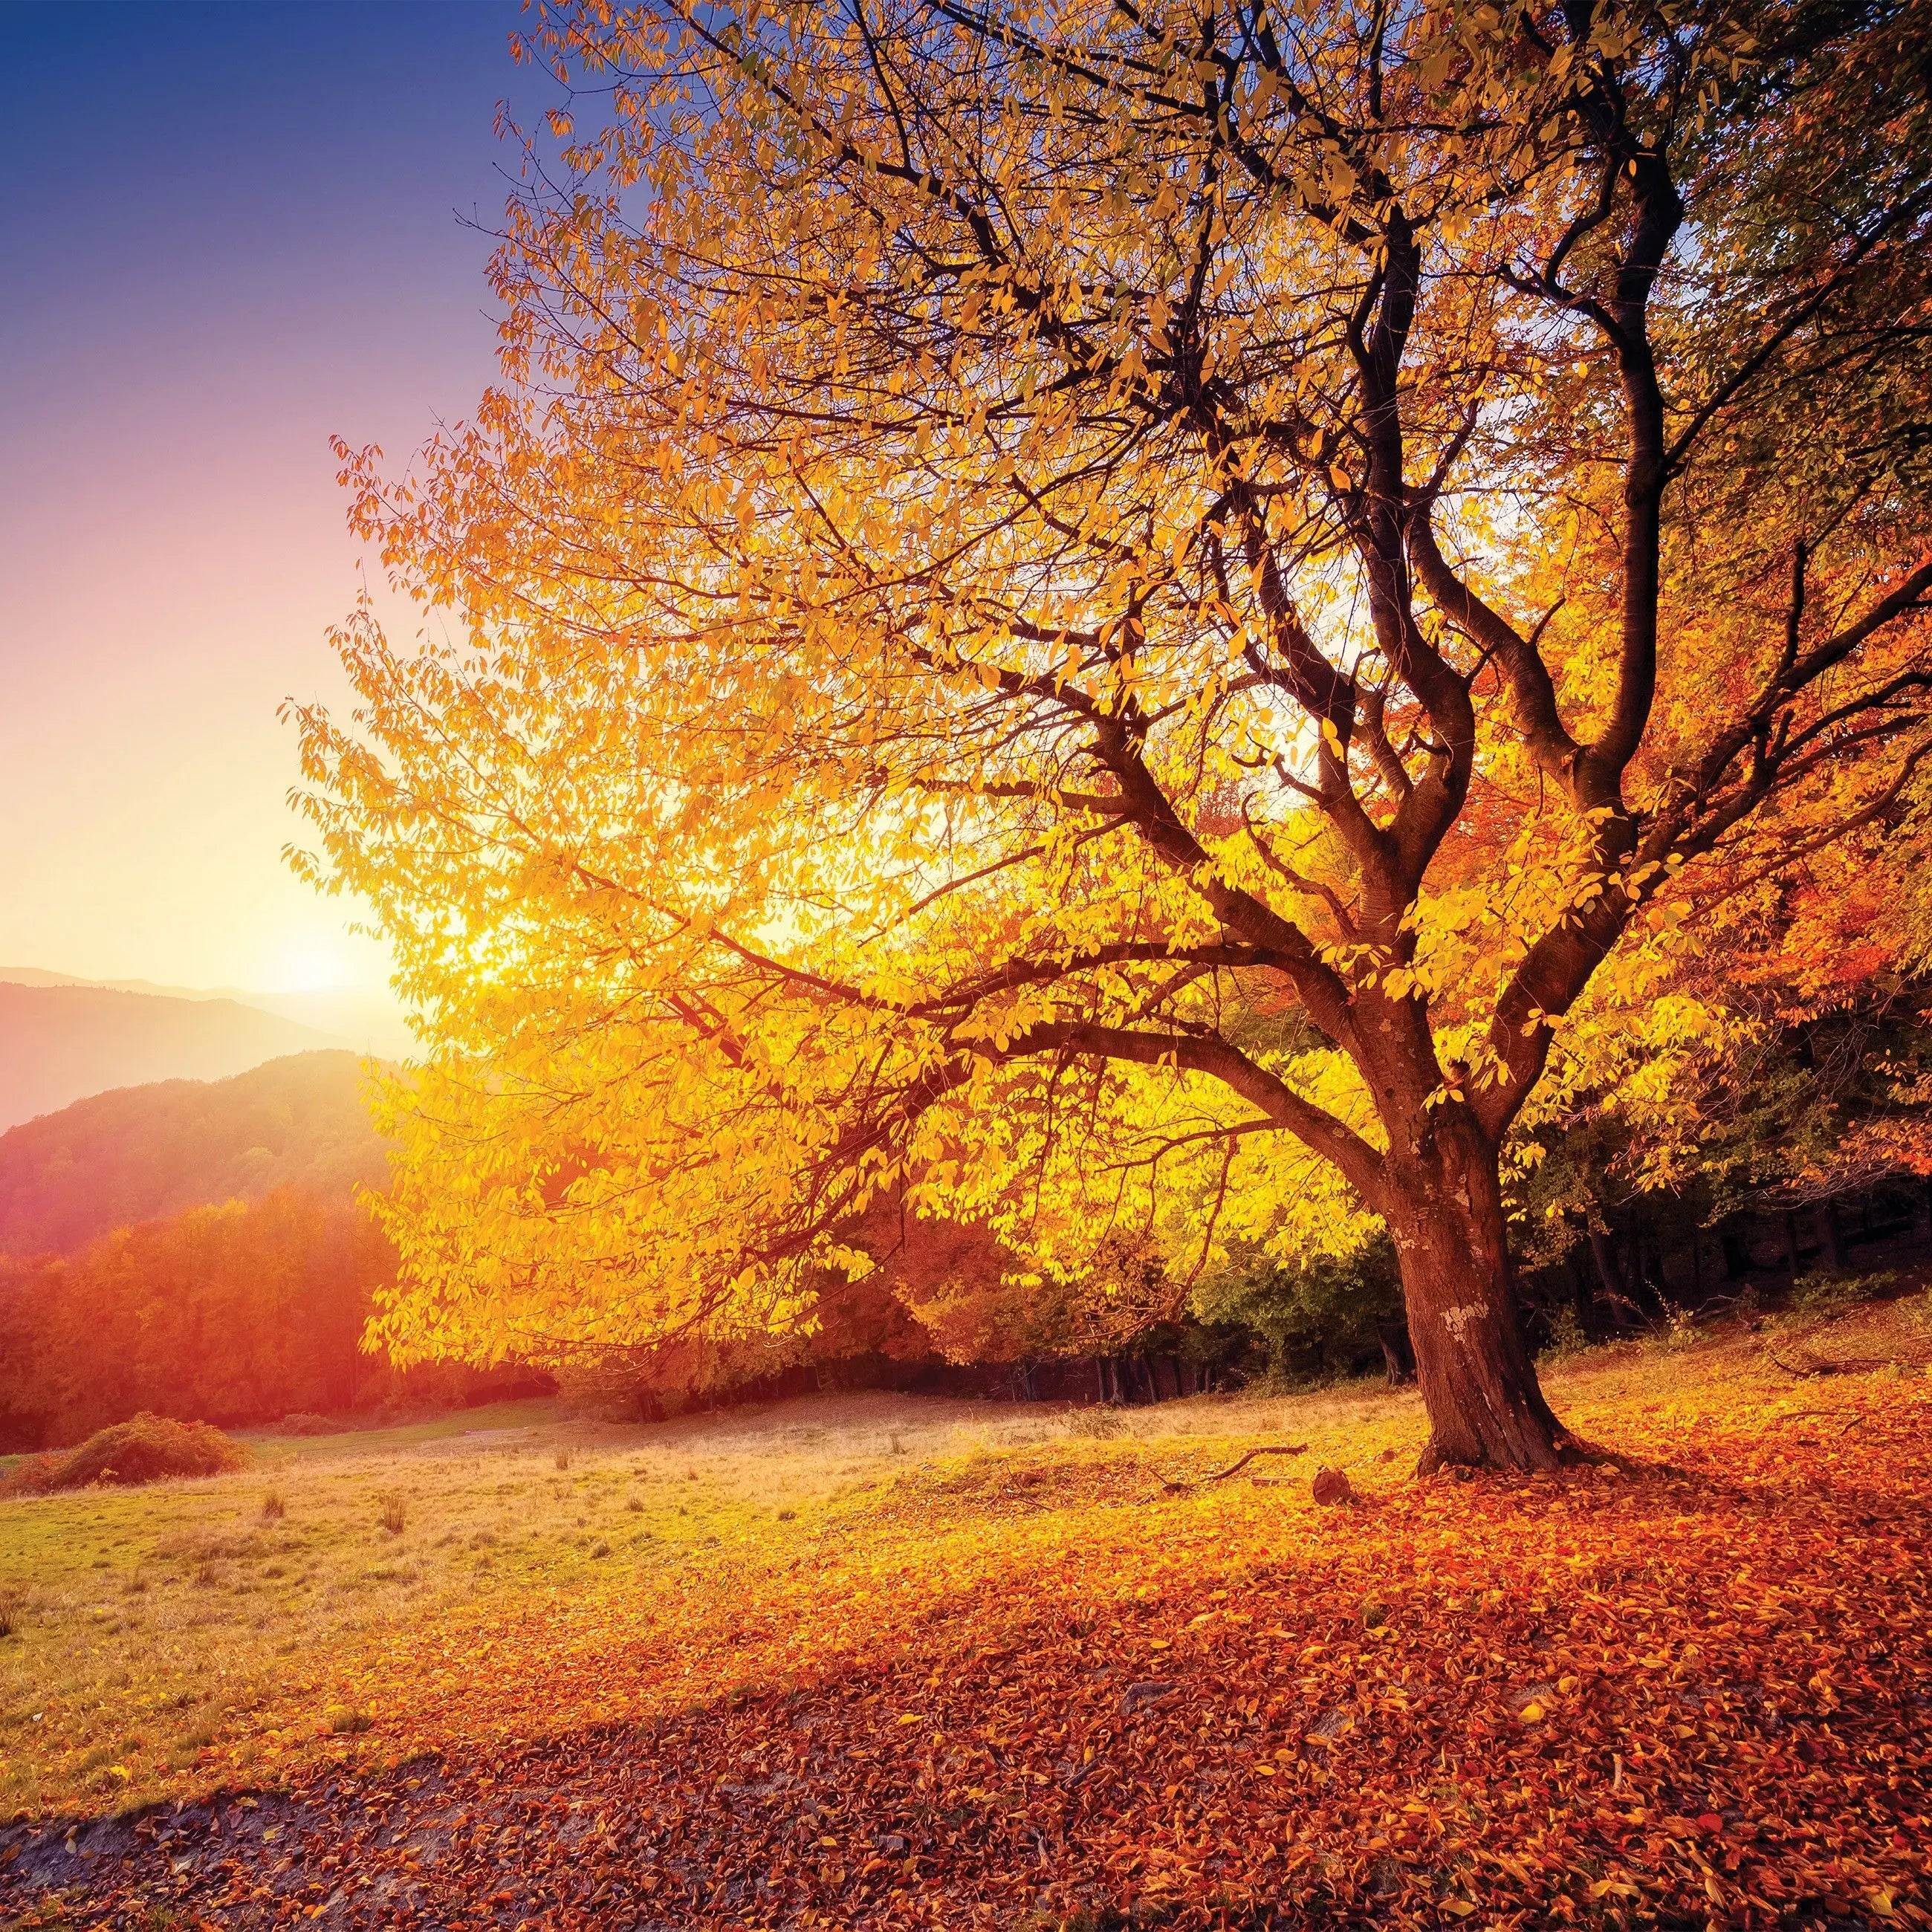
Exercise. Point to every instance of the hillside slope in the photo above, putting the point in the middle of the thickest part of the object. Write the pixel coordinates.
(58, 1044)
(1013, 1675)
(370, 1022)
(131, 1155)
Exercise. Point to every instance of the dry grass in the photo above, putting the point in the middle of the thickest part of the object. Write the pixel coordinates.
(187, 1635)
(156, 1632)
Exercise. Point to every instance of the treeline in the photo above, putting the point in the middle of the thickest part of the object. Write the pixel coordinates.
(240, 1314)
(229, 1315)
(948, 1310)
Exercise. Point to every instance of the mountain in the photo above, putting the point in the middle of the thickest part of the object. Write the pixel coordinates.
(369, 1022)
(58, 1043)
(122, 1158)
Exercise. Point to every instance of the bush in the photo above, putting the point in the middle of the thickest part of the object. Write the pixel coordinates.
(1821, 1292)
(303, 1423)
(1320, 1316)
(149, 1449)
(1566, 1337)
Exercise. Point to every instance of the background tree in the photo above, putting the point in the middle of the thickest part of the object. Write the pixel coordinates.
(1784, 1064)
(233, 1314)
(1077, 609)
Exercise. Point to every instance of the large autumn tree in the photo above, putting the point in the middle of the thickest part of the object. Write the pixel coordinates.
(1080, 607)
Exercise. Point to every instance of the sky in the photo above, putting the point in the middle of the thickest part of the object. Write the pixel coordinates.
(229, 231)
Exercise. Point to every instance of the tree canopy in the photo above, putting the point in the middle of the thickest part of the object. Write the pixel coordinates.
(1110, 620)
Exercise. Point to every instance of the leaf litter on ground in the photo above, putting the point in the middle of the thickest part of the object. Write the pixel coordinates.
(1032, 1689)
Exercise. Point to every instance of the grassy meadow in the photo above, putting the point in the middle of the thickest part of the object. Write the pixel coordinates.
(186, 1633)
(472, 1586)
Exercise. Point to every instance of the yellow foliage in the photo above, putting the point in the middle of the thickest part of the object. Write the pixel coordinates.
(1052, 620)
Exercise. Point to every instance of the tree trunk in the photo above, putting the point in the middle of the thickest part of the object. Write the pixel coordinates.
(1581, 1298)
(1478, 1383)
(1830, 1242)
(1657, 1280)
(1736, 1244)
(1398, 1358)
(1604, 1253)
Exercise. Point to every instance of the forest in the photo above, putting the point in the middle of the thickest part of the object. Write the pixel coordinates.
(199, 1249)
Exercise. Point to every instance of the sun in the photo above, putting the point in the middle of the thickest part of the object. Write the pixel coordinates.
(309, 962)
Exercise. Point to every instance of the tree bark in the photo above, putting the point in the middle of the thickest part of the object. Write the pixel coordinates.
(1478, 1383)
(1831, 1243)
(1604, 1253)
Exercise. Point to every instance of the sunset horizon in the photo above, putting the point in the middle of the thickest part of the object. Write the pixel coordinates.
(216, 294)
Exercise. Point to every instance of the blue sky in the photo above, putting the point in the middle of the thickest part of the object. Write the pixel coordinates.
(228, 231)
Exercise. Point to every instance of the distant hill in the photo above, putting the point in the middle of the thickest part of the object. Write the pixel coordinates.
(369, 1022)
(131, 1155)
(60, 1043)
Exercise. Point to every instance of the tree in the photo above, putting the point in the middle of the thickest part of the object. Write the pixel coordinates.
(1080, 608)
(231, 1314)
(1787, 1063)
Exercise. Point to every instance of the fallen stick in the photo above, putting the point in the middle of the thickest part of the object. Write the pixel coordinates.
(1234, 1468)
(1824, 1365)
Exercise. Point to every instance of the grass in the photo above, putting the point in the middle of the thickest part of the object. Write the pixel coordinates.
(160, 1635)
(188, 1636)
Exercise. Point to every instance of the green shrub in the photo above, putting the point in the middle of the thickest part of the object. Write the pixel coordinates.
(302, 1423)
(148, 1449)
(1821, 1292)
(1566, 1335)
(1321, 1316)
